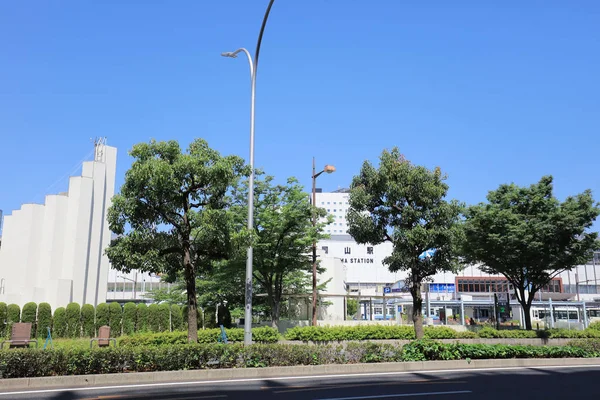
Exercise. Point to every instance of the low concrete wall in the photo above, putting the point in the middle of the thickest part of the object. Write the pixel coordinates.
(155, 379)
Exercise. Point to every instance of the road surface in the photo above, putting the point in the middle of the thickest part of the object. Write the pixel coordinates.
(489, 384)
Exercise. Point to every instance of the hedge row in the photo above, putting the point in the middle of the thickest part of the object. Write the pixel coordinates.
(260, 335)
(75, 321)
(36, 363)
(373, 332)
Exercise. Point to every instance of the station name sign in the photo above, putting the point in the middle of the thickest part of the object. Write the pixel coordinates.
(357, 260)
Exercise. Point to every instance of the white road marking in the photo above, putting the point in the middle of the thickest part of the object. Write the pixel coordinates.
(384, 396)
(290, 378)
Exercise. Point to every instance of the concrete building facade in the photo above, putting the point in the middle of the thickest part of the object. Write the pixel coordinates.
(54, 252)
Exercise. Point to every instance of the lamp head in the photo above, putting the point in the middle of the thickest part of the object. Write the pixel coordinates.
(329, 169)
(229, 54)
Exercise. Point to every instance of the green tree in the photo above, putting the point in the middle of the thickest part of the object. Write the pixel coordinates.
(88, 320)
(44, 319)
(527, 235)
(142, 318)
(129, 316)
(174, 204)
(404, 204)
(3, 318)
(29, 314)
(153, 318)
(102, 315)
(73, 320)
(351, 307)
(176, 318)
(115, 319)
(173, 294)
(282, 238)
(59, 325)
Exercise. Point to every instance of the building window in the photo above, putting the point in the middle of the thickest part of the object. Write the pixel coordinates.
(322, 202)
(327, 202)
(325, 249)
(369, 250)
(346, 250)
(334, 210)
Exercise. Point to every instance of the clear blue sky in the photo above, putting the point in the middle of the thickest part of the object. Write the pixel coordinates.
(493, 92)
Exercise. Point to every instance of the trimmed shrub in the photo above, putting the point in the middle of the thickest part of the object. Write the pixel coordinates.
(13, 314)
(590, 345)
(88, 320)
(176, 318)
(153, 318)
(466, 335)
(23, 363)
(164, 318)
(210, 318)
(73, 320)
(141, 318)
(115, 319)
(44, 319)
(129, 315)
(259, 335)
(29, 314)
(3, 318)
(102, 315)
(59, 325)
(594, 326)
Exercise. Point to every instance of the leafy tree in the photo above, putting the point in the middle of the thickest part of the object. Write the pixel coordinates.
(352, 306)
(73, 320)
(115, 319)
(164, 318)
(153, 318)
(173, 294)
(283, 237)
(142, 318)
(102, 315)
(171, 215)
(29, 314)
(176, 318)
(129, 316)
(44, 319)
(88, 320)
(3, 318)
(527, 235)
(59, 325)
(404, 204)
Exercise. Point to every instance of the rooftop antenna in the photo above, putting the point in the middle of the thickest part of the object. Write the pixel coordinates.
(99, 143)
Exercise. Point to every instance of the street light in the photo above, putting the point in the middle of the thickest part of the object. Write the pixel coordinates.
(253, 69)
(327, 169)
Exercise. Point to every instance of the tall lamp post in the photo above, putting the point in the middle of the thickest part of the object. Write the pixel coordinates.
(253, 69)
(328, 169)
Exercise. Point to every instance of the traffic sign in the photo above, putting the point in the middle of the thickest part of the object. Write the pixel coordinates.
(387, 290)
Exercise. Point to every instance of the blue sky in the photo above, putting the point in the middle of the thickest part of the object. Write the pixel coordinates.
(492, 92)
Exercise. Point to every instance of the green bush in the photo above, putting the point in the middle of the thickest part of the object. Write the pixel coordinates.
(176, 318)
(210, 317)
(29, 314)
(115, 319)
(3, 317)
(142, 318)
(153, 318)
(102, 315)
(466, 335)
(23, 363)
(44, 319)
(59, 325)
(592, 346)
(13, 314)
(205, 336)
(164, 318)
(594, 326)
(129, 316)
(88, 320)
(73, 320)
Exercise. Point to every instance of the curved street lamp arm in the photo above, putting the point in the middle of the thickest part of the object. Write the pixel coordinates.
(260, 34)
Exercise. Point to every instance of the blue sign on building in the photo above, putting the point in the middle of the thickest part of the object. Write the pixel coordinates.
(442, 287)
(387, 290)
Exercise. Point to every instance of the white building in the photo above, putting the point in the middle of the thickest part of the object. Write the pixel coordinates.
(54, 252)
(336, 204)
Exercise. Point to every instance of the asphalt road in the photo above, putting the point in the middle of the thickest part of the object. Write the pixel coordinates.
(488, 384)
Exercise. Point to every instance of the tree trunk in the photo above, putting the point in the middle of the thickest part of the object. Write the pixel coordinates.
(526, 305)
(190, 283)
(275, 310)
(417, 314)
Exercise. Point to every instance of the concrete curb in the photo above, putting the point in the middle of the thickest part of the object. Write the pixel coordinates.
(141, 378)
